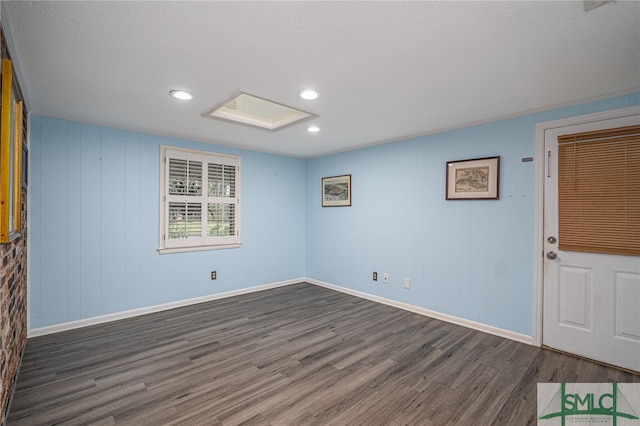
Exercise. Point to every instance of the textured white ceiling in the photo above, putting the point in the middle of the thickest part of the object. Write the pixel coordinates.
(385, 70)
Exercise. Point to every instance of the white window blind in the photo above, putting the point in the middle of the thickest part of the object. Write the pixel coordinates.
(200, 200)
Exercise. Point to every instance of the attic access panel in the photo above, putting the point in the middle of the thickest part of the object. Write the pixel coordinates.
(259, 112)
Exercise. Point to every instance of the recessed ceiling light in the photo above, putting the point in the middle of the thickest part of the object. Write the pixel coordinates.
(313, 129)
(182, 95)
(308, 95)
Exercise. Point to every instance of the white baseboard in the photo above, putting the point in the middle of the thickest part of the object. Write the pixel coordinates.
(508, 334)
(151, 309)
(157, 308)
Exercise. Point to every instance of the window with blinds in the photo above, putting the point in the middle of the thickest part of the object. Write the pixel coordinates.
(599, 191)
(200, 200)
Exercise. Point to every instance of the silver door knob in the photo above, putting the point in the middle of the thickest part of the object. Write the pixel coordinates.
(551, 255)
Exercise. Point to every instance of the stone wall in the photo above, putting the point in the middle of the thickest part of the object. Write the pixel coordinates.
(13, 311)
(13, 288)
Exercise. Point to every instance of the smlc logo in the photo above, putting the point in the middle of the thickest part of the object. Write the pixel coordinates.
(588, 403)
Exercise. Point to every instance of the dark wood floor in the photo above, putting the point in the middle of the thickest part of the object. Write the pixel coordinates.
(296, 355)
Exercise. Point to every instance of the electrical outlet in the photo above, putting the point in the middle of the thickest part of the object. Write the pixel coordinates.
(385, 278)
(407, 283)
(375, 276)
(213, 275)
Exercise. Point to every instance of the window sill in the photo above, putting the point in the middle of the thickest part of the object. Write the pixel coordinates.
(198, 248)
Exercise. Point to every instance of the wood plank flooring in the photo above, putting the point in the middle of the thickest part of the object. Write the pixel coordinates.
(295, 355)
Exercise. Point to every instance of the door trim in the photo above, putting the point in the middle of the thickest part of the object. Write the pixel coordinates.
(538, 270)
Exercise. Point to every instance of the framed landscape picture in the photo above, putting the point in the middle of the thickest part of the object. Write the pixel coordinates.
(475, 179)
(336, 191)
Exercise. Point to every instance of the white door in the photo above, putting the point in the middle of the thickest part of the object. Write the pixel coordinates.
(591, 302)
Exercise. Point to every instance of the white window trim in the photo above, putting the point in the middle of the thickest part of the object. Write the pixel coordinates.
(195, 244)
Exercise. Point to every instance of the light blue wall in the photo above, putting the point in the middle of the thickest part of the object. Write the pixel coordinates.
(94, 223)
(471, 259)
(94, 200)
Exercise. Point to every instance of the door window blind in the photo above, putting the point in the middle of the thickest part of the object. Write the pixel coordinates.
(599, 191)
